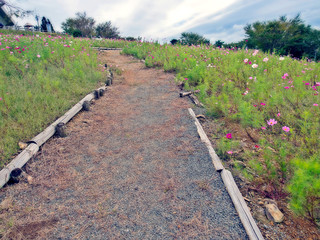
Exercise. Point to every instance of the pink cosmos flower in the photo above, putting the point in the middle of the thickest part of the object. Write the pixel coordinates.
(0, 98)
(286, 129)
(246, 60)
(256, 146)
(250, 77)
(230, 152)
(263, 128)
(279, 114)
(262, 104)
(255, 52)
(254, 65)
(229, 135)
(38, 56)
(286, 87)
(272, 122)
(265, 59)
(315, 104)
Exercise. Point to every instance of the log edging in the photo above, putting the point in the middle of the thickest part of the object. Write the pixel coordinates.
(36, 142)
(104, 48)
(240, 205)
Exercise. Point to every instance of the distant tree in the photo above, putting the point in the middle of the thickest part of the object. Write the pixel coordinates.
(219, 43)
(76, 33)
(81, 23)
(130, 39)
(174, 41)
(286, 36)
(189, 38)
(106, 30)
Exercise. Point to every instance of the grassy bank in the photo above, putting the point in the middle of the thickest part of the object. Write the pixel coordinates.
(269, 109)
(41, 76)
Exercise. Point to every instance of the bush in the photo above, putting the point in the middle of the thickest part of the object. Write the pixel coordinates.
(305, 186)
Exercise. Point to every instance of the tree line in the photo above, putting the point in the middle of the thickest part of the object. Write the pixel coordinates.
(84, 26)
(283, 36)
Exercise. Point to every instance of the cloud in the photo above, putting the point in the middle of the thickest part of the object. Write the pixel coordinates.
(214, 19)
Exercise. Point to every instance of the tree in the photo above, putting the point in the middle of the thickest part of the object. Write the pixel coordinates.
(189, 38)
(106, 30)
(219, 43)
(174, 41)
(284, 36)
(81, 23)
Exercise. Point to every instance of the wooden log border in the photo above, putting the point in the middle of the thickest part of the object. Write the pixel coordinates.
(36, 142)
(240, 205)
(104, 48)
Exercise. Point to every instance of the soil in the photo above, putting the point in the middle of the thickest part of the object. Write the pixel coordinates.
(132, 167)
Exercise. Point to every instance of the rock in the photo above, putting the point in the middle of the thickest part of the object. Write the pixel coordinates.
(273, 213)
(6, 204)
(260, 216)
(22, 145)
(29, 179)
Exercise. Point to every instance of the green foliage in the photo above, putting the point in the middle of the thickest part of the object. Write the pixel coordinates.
(76, 33)
(40, 78)
(305, 186)
(219, 43)
(189, 38)
(232, 87)
(80, 23)
(106, 30)
(285, 37)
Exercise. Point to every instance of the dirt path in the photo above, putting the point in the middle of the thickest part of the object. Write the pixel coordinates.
(131, 168)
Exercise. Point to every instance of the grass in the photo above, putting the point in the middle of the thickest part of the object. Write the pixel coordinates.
(41, 76)
(273, 101)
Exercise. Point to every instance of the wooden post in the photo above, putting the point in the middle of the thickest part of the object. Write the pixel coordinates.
(96, 94)
(101, 92)
(86, 106)
(61, 130)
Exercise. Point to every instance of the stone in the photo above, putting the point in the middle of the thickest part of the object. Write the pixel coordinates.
(273, 213)
(6, 204)
(260, 216)
(22, 145)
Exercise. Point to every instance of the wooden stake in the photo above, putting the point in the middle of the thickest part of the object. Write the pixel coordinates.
(61, 130)
(96, 94)
(86, 106)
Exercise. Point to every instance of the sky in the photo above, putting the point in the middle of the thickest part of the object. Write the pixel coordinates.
(163, 20)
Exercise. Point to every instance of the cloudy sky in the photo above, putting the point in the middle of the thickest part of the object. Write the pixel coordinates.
(165, 19)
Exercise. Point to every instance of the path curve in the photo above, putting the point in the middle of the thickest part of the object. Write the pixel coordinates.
(131, 168)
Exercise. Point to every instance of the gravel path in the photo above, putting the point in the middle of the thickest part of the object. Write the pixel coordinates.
(131, 168)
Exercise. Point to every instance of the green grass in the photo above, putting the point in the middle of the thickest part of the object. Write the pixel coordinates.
(237, 91)
(40, 78)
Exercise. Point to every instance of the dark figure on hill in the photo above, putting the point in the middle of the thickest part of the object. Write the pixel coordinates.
(44, 25)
